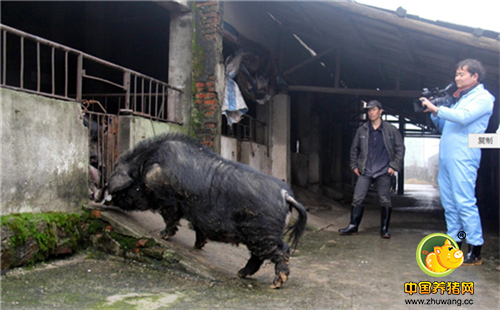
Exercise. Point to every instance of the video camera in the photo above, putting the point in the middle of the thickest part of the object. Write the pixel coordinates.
(440, 97)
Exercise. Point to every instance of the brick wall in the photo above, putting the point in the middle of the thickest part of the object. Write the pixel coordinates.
(206, 99)
(209, 19)
(207, 102)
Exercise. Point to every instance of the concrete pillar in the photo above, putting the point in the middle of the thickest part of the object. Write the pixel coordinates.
(280, 137)
(179, 66)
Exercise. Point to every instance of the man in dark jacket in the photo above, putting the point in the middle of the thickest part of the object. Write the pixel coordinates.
(376, 153)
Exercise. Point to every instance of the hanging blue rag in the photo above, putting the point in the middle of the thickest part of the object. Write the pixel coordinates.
(233, 105)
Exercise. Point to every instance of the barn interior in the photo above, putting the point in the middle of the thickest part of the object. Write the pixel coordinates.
(329, 57)
(334, 57)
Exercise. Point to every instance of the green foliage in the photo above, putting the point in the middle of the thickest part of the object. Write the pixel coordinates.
(127, 243)
(95, 226)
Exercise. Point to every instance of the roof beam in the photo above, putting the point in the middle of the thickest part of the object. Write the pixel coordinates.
(414, 25)
(312, 59)
(359, 92)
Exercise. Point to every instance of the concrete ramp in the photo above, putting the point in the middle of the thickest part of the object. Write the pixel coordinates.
(215, 261)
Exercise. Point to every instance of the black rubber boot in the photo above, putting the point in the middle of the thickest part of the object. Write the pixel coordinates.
(473, 256)
(385, 218)
(356, 215)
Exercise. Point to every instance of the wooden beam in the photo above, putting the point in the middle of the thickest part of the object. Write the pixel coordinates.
(302, 64)
(352, 91)
(413, 68)
(414, 25)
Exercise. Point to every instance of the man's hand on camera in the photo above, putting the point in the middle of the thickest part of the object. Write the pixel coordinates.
(429, 106)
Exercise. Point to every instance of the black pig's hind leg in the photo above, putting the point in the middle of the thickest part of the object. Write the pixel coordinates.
(281, 257)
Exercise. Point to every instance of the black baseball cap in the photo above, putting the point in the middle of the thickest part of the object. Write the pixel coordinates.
(373, 103)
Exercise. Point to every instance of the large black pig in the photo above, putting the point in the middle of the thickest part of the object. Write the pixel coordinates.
(225, 201)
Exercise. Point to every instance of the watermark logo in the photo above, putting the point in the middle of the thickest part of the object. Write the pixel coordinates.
(438, 255)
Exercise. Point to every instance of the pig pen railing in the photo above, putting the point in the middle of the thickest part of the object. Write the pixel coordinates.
(103, 151)
(36, 65)
(248, 129)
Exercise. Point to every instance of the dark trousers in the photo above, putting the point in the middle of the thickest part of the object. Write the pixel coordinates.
(383, 184)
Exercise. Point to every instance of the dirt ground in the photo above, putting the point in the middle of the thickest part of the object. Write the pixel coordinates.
(328, 271)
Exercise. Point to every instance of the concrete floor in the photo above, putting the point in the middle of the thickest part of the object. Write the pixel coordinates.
(328, 271)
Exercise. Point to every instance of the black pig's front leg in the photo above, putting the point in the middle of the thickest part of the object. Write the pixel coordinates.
(171, 217)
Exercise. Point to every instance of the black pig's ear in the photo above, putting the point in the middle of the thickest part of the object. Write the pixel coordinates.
(118, 181)
(154, 177)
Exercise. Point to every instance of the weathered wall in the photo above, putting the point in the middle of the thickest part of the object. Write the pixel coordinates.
(229, 148)
(133, 129)
(253, 154)
(143, 128)
(256, 156)
(45, 154)
(274, 160)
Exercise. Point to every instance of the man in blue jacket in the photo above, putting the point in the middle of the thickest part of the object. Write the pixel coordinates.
(458, 163)
(377, 151)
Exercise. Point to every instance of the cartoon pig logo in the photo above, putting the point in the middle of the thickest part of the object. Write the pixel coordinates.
(444, 257)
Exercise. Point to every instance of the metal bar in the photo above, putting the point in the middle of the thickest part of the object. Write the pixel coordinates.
(135, 92)
(113, 94)
(66, 73)
(140, 99)
(102, 80)
(38, 70)
(99, 140)
(79, 78)
(4, 57)
(36, 92)
(21, 75)
(142, 91)
(149, 101)
(163, 102)
(162, 105)
(53, 72)
(156, 102)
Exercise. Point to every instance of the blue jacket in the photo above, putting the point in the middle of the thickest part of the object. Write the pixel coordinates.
(470, 114)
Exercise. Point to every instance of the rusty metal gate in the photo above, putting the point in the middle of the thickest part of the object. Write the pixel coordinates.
(103, 144)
